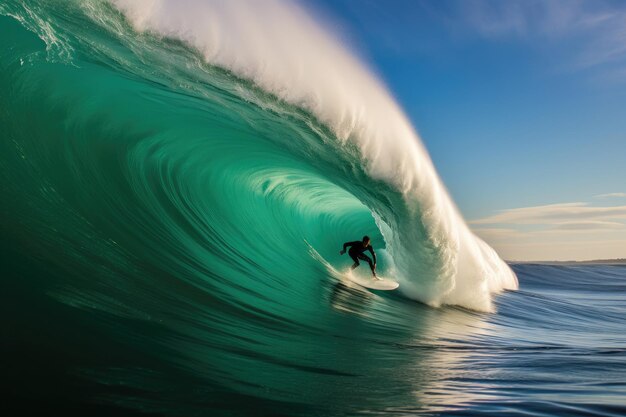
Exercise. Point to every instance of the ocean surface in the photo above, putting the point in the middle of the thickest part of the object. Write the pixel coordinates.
(177, 180)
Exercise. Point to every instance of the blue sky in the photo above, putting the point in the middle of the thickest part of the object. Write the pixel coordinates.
(520, 104)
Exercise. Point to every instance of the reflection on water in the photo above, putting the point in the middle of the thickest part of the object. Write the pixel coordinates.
(357, 351)
(415, 349)
(350, 298)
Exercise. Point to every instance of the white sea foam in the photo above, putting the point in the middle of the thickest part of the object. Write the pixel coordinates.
(278, 46)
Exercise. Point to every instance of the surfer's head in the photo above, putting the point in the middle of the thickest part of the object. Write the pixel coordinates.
(366, 240)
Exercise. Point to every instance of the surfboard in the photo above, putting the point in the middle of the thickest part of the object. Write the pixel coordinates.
(382, 284)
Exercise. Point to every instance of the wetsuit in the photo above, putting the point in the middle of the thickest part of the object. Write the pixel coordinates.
(356, 253)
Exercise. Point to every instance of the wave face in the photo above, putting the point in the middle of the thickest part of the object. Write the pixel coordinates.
(436, 258)
(234, 146)
(198, 140)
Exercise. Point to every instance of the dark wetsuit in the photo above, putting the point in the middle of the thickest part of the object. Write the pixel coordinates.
(356, 253)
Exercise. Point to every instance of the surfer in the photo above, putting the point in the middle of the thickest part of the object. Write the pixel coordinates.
(356, 252)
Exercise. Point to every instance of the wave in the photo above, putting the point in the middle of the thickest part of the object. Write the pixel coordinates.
(438, 260)
(222, 149)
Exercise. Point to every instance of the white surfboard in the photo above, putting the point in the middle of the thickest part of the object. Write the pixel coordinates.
(382, 284)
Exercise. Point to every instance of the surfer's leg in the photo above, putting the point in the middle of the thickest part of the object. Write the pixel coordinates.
(355, 259)
(369, 261)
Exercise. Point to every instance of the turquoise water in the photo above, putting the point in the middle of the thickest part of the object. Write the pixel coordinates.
(172, 226)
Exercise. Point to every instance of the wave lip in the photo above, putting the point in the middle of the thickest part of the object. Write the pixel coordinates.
(277, 46)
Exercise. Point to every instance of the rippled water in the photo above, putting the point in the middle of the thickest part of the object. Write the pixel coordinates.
(555, 347)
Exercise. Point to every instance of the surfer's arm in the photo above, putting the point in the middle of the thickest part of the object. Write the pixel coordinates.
(345, 245)
(371, 249)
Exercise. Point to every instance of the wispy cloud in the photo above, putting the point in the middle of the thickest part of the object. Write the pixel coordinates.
(554, 214)
(496, 234)
(532, 18)
(586, 33)
(576, 34)
(576, 230)
(611, 195)
(588, 225)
